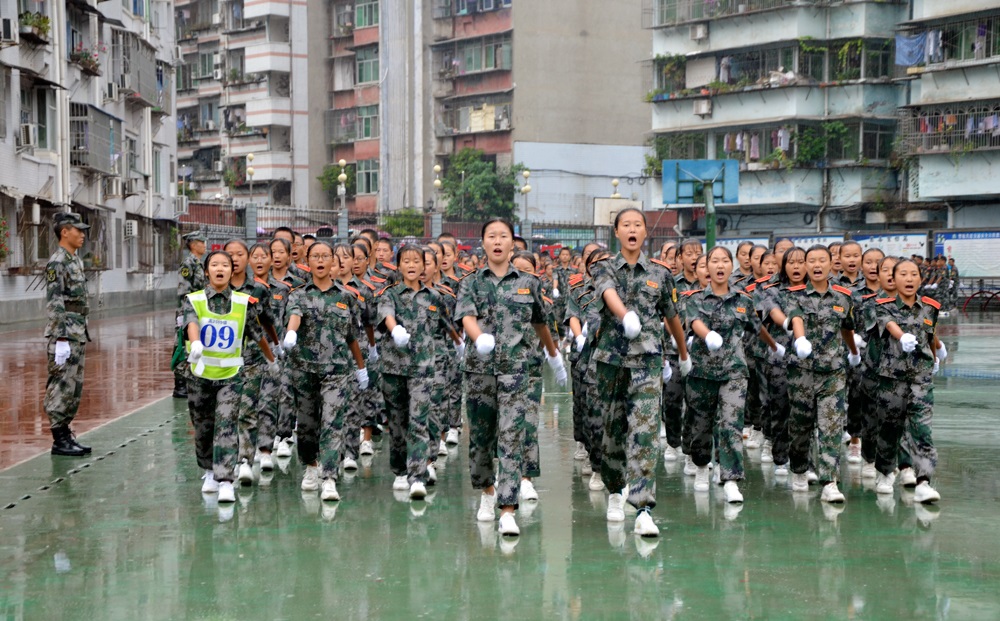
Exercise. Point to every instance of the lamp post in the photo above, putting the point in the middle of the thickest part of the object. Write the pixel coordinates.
(250, 172)
(614, 184)
(524, 191)
(342, 188)
(437, 184)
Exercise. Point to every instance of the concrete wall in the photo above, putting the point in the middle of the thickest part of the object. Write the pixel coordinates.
(313, 96)
(926, 9)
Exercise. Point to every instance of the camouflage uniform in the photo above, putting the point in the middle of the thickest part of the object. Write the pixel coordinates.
(253, 372)
(498, 390)
(755, 350)
(190, 277)
(323, 371)
(67, 308)
(409, 388)
(451, 368)
(816, 385)
(774, 375)
(361, 403)
(629, 372)
(586, 396)
(579, 292)
(854, 423)
(214, 404)
(905, 386)
(717, 385)
(560, 279)
(673, 408)
(271, 401)
(866, 322)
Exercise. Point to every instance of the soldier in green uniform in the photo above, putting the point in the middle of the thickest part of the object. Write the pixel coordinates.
(561, 274)
(190, 277)
(672, 401)
(281, 274)
(630, 370)
(67, 308)
(450, 279)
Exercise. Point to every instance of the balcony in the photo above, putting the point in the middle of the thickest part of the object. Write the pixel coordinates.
(245, 89)
(272, 166)
(484, 118)
(253, 9)
(138, 80)
(267, 57)
(269, 111)
(663, 13)
(955, 130)
(94, 139)
(341, 126)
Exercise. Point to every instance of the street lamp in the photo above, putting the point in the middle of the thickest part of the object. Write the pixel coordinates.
(250, 174)
(437, 184)
(614, 184)
(342, 188)
(524, 191)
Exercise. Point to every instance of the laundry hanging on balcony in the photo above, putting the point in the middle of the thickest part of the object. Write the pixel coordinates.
(910, 50)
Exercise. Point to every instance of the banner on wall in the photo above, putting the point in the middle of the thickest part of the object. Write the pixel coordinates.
(804, 241)
(733, 242)
(895, 244)
(976, 253)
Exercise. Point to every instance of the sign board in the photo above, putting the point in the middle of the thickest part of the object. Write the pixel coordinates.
(976, 253)
(683, 181)
(895, 244)
(805, 241)
(605, 209)
(733, 242)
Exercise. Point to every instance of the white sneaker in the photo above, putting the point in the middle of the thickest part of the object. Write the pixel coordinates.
(766, 457)
(811, 477)
(452, 436)
(596, 482)
(587, 469)
(442, 448)
(884, 483)
(753, 442)
(508, 526)
(689, 468)
(732, 491)
(226, 492)
(210, 485)
(244, 473)
(781, 470)
(400, 484)
(329, 490)
(854, 453)
(266, 461)
(432, 475)
(831, 493)
(581, 453)
(925, 494)
(283, 449)
(367, 448)
(644, 526)
(528, 491)
(701, 479)
(907, 477)
(274, 445)
(616, 508)
(256, 456)
(746, 433)
(310, 479)
(868, 470)
(800, 482)
(670, 454)
(418, 491)
(487, 508)
(350, 464)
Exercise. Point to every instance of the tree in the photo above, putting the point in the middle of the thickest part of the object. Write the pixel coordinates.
(328, 181)
(406, 222)
(485, 192)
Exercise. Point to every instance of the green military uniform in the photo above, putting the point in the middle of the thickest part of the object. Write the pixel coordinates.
(498, 399)
(366, 405)
(754, 349)
(452, 394)
(190, 278)
(672, 402)
(255, 368)
(817, 384)
(67, 307)
(774, 378)
(905, 387)
(629, 372)
(271, 397)
(560, 280)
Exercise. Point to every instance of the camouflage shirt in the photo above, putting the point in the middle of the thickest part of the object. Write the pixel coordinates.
(753, 345)
(770, 296)
(67, 305)
(260, 291)
(648, 289)
(920, 320)
(739, 279)
(190, 277)
(422, 313)
(326, 330)
(733, 316)
(279, 292)
(824, 315)
(220, 303)
(507, 308)
(560, 277)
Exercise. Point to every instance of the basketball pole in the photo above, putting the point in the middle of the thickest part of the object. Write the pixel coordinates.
(709, 216)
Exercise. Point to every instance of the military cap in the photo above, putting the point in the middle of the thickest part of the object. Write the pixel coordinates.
(194, 236)
(72, 219)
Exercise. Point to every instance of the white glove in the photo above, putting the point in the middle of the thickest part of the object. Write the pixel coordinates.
(180, 321)
(291, 338)
(685, 366)
(460, 350)
(942, 352)
(558, 367)
(937, 366)
(400, 336)
(632, 325)
(854, 359)
(580, 342)
(362, 376)
(934, 286)
(667, 372)
(859, 341)
(194, 356)
(713, 340)
(62, 352)
(673, 341)
(908, 342)
(555, 293)
(584, 331)
(373, 353)
(485, 344)
(787, 325)
(803, 348)
(778, 352)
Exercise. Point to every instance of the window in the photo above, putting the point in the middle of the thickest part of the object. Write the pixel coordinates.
(748, 68)
(843, 145)
(157, 173)
(30, 6)
(484, 54)
(812, 64)
(878, 60)
(680, 147)
(367, 176)
(132, 161)
(35, 109)
(206, 63)
(367, 64)
(368, 122)
(504, 3)
(139, 8)
(877, 141)
(486, 5)
(462, 6)
(366, 13)
(185, 81)
(209, 115)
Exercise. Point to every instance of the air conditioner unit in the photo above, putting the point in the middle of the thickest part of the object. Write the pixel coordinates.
(180, 205)
(130, 187)
(217, 59)
(111, 93)
(218, 166)
(28, 135)
(699, 32)
(217, 74)
(703, 107)
(113, 187)
(178, 53)
(8, 31)
(216, 19)
(131, 228)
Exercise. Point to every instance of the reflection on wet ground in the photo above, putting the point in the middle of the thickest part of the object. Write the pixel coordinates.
(126, 534)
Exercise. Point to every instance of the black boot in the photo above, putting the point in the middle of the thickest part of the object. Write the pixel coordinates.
(62, 443)
(180, 387)
(72, 438)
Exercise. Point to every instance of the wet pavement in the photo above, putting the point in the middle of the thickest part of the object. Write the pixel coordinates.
(126, 534)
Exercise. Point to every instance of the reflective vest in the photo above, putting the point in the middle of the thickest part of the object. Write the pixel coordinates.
(221, 336)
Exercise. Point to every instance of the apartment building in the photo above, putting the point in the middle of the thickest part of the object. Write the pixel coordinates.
(86, 124)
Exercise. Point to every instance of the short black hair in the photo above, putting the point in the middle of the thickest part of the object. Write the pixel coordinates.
(309, 236)
(284, 229)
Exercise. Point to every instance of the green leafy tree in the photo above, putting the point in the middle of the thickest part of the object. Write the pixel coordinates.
(406, 222)
(329, 182)
(485, 193)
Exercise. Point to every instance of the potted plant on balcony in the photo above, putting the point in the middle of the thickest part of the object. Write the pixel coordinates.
(35, 25)
(4, 242)
(89, 60)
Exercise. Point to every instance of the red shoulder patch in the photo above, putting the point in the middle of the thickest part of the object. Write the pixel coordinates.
(261, 281)
(377, 280)
(869, 296)
(352, 289)
(287, 284)
(885, 300)
(797, 288)
(304, 268)
(746, 294)
(548, 299)
(843, 290)
(659, 262)
(691, 292)
(367, 284)
(464, 266)
(575, 279)
(750, 288)
(389, 266)
(763, 279)
(931, 302)
(773, 284)
(253, 300)
(381, 291)
(445, 288)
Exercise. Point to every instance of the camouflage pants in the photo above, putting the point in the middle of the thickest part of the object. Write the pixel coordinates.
(355, 415)
(214, 410)
(409, 401)
(630, 399)
(906, 407)
(871, 420)
(323, 403)
(855, 415)
(577, 372)
(452, 406)
(269, 404)
(252, 376)
(774, 381)
(716, 411)
(436, 419)
(373, 409)
(64, 387)
(531, 465)
(672, 403)
(754, 407)
(593, 425)
(817, 403)
(288, 402)
(497, 408)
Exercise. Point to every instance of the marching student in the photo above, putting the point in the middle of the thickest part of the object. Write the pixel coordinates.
(744, 275)
(280, 273)
(753, 434)
(872, 343)
(270, 388)
(450, 278)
